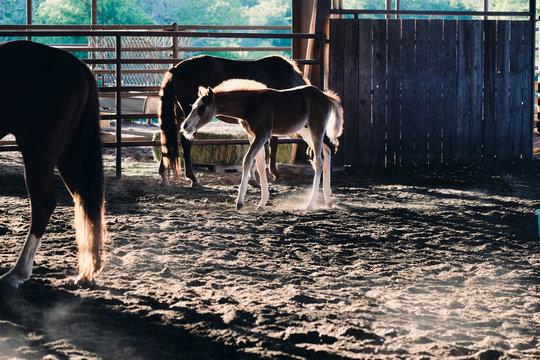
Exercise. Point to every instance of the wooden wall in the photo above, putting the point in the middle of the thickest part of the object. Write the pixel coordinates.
(432, 91)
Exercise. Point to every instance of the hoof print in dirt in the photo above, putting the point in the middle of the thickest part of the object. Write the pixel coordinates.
(360, 334)
(311, 337)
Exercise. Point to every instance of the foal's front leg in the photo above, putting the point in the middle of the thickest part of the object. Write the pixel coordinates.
(254, 148)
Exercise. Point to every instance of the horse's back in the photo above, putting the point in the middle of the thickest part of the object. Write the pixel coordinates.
(37, 82)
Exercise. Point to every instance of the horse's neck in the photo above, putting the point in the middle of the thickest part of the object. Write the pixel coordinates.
(232, 104)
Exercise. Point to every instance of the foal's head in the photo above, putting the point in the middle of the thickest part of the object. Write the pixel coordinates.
(202, 112)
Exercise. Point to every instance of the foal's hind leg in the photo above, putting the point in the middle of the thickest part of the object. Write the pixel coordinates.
(315, 142)
(261, 168)
(327, 171)
(39, 176)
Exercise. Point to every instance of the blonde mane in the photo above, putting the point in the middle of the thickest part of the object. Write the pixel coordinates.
(239, 84)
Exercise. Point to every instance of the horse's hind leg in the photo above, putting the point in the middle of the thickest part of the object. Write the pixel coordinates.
(39, 176)
(261, 168)
(327, 171)
(315, 142)
(186, 149)
(272, 146)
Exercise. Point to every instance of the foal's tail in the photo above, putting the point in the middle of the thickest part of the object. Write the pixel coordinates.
(81, 168)
(334, 126)
(167, 119)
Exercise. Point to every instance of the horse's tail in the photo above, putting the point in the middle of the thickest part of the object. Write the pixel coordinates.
(334, 126)
(167, 119)
(81, 167)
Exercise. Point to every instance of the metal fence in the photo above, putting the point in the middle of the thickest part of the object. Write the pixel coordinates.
(117, 64)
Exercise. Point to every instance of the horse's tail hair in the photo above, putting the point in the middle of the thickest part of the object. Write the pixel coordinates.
(167, 119)
(334, 126)
(85, 162)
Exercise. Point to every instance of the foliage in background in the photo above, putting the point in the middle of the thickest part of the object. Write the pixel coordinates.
(209, 12)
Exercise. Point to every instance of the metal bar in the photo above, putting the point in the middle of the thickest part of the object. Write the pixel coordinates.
(139, 33)
(201, 142)
(428, 13)
(118, 107)
(76, 48)
(166, 61)
(29, 15)
(143, 27)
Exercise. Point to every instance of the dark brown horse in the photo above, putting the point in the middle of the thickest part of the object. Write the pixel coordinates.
(179, 91)
(305, 110)
(49, 102)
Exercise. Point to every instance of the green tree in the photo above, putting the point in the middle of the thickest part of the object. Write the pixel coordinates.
(76, 12)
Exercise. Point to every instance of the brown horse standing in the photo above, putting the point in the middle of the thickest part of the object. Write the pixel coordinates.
(179, 91)
(49, 101)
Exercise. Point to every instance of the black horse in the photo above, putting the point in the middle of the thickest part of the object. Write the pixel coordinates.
(49, 101)
(179, 90)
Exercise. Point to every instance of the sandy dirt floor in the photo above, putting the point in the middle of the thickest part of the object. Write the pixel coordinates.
(423, 263)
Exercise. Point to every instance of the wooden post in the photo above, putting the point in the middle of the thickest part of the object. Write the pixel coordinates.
(309, 16)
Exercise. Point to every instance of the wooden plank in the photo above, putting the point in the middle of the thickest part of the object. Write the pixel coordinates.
(436, 79)
(490, 34)
(336, 78)
(408, 30)
(476, 119)
(364, 54)
(350, 90)
(393, 86)
(502, 115)
(449, 104)
(378, 152)
(464, 64)
(421, 104)
(516, 87)
(527, 115)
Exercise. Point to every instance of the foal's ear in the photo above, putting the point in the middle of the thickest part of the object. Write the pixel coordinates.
(202, 91)
(205, 91)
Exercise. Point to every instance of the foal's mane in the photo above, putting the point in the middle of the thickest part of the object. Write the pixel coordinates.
(239, 84)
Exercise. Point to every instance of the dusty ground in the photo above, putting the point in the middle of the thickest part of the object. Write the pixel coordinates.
(414, 264)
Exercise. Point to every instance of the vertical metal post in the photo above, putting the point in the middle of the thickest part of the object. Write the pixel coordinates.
(398, 7)
(29, 15)
(486, 8)
(532, 10)
(388, 7)
(175, 42)
(118, 107)
(322, 40)
(93, 15)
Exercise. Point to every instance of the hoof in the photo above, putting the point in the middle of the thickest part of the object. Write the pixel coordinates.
(239, 206)
(197, 185)
(261, 208)
(84, 283)
(10, 281)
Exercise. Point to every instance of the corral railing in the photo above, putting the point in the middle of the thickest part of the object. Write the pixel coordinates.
(116, 60)
(428, 91)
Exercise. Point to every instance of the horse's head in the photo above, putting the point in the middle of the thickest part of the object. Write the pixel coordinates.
(202, 112)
